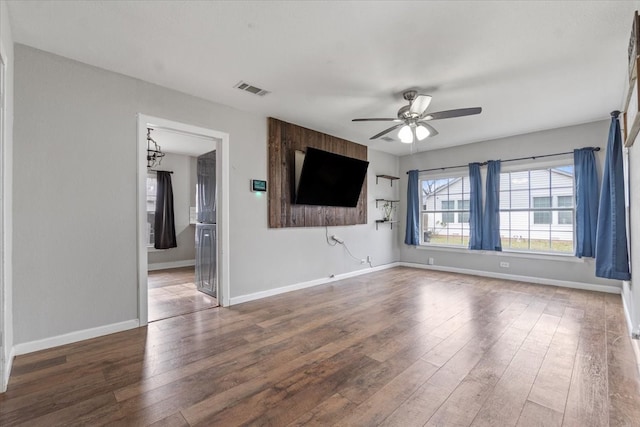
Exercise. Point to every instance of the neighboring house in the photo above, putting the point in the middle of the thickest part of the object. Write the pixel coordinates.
(533, 205)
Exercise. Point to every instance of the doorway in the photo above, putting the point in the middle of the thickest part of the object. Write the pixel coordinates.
(165, 282)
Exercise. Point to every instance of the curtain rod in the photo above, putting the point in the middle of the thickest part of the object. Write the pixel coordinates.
(504, 161)
(156, 170)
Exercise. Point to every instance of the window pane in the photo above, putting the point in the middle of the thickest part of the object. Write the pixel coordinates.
(448, 204)
(565, 201)
(444, 202)
(540, 179)
(519, 180)
(542, 217)
(562, 177)
(520, 199)
(542, 202)
(562, 241)
(565, 217)
(505, 179)
(539, 214)
(447, 217)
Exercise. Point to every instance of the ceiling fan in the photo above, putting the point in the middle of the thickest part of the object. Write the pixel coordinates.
(413, 118)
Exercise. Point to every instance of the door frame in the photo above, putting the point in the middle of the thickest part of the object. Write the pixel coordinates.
(222, 214)
(6, 357)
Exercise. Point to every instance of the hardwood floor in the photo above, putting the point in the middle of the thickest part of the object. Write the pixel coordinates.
(400, 347)
(173, 293)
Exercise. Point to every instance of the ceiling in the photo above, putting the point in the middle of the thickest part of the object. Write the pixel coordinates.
(176, 142)
(531, 65)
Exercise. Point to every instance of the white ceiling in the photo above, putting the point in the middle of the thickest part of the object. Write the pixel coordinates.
(171, 141)
(531, 65)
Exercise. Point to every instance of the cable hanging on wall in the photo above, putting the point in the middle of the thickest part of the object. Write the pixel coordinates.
(154, 152)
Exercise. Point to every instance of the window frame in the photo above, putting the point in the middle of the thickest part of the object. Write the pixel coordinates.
(150, 243)
(455, 212)
(554, 209)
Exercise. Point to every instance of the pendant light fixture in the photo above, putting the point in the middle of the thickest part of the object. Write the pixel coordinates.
(154, 153)
(410, 132)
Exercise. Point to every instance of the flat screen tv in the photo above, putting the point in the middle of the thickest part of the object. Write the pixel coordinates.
(329, 179)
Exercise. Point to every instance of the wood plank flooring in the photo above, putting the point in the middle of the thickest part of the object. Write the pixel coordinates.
(400, 347)
(173, 293)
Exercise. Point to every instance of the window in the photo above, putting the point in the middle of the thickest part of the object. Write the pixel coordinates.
(448, 217)
(541, 217)
(463, 205)
(151, 208)
(537, 210)
(445, 211)
(565, 217)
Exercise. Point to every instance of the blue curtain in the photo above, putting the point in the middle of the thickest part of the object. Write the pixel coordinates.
(412, 233)
(612, 258)
(587, 191)
(491, 220)
(475, 207)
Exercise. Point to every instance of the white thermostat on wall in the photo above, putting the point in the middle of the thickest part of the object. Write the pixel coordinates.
(258, 185)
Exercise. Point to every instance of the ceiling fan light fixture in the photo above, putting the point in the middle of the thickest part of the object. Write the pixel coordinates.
(422, 132)
(405, 134)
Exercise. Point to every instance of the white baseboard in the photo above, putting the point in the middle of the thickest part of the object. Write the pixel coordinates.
(635, 344)
(627, 316)
(172, 264)
(310, 283)
(7, 370)
(71, 337)
(528, 279)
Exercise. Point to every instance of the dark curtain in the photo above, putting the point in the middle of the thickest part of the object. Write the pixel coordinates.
(165, 227)
(612, 257)
(586, 201)
(491, 220)
(475, 207)
(412, 233)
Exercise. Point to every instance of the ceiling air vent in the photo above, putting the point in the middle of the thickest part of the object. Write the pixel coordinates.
(251, 89)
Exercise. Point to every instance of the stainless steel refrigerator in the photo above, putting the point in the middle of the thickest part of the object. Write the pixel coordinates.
(206, 232)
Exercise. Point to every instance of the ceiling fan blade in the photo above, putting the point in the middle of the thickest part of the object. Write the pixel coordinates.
(432, 131)
(453, 113)
(386, 131)
(376, 120)
(420, 104)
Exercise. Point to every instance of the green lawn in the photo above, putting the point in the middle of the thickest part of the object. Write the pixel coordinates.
(536, 245)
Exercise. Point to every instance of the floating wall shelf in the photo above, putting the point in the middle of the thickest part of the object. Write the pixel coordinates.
(389, 177)
(386, 200)
(382, 221)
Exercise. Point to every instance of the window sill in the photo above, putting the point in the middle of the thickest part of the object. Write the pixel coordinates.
(152, 249)
(506, 254)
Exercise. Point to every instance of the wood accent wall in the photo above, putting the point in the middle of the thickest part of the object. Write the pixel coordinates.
(284, 139)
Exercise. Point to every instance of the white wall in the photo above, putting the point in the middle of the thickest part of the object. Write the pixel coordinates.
(6, 50)
(184, 195)
(631, 291)
(75, 204)
(558, 268)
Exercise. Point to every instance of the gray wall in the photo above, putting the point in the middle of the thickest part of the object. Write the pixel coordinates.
(75, 198)
(538, 143)
(6, 311)
(184, 195)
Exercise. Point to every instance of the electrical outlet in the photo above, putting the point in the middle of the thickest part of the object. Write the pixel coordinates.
(430, 261)
(504, 264)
